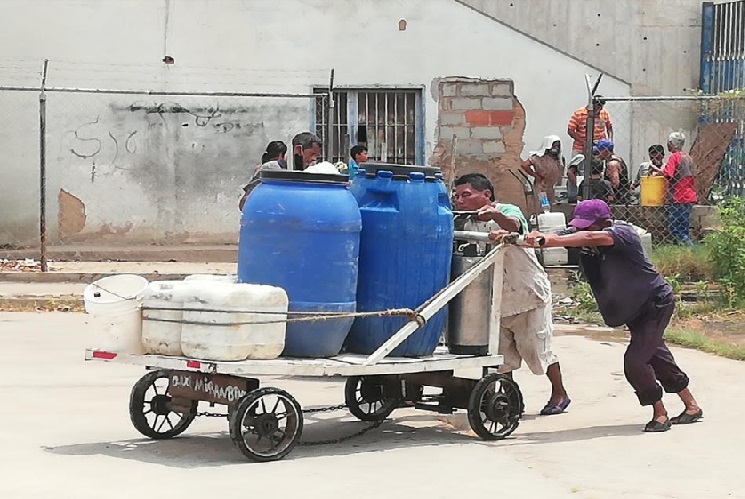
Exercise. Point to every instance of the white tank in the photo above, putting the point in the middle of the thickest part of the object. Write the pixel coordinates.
(212, 277)
(551, 223)
(115, 303)
(221, 321)
(161, 327)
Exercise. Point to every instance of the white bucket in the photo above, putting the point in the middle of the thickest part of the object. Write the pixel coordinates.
(552, 223)
(115, 303)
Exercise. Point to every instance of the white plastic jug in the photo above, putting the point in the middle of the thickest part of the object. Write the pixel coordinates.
(162, 316)
(223, 321)
(212, 277)
(551, 223)
(115, 304)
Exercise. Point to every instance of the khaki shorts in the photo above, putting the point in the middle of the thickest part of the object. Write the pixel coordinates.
(527, 336)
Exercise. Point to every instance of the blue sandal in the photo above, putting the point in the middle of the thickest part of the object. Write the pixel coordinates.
(550, 409)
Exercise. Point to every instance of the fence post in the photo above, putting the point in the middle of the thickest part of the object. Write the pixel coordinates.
(43, 168)
(329, 146)
(707, 45)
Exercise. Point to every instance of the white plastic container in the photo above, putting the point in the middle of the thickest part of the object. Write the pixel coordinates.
(225, 325)
(115, 304)
(212, 277)
(162, 316)
(551, 223)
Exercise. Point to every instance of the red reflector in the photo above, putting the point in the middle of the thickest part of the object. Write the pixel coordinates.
(193, 364)
(104, 355)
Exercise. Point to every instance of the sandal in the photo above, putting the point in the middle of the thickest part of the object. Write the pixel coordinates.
(655, 426)
(686, 418)
(550, 409)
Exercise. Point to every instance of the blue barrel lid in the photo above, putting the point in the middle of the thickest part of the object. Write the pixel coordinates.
(373, 168)
(299, 176)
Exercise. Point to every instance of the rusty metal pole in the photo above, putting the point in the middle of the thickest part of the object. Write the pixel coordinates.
(589, 135)
(43, 169)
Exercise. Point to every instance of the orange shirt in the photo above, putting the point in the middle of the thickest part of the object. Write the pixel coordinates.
(578, 124)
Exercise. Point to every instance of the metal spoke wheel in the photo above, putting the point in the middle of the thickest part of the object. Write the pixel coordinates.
(150, 408)
(266, 424)
(372, 398)
(495, 407)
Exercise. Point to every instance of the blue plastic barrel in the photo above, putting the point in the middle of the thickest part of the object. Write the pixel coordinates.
(301, 232)
(405, 253)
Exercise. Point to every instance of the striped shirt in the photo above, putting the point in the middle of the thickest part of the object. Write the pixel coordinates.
(578, 125)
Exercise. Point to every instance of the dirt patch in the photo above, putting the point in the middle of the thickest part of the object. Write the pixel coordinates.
(721, 326)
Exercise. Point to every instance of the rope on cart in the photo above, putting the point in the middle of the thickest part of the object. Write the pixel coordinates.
(298, 316)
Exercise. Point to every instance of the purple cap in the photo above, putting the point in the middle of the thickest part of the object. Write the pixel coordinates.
(603, 144)
(588, 212)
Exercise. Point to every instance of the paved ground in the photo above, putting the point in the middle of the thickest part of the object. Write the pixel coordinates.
(65, 433)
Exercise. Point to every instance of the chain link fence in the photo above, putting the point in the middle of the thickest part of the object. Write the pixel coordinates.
(127, 169)
(714, 127)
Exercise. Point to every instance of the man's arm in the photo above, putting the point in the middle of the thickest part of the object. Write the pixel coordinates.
(572, 175)
(609, 126)
(527, 165)
(613, 171)
(669, 170)
(576, 240)
(572, 127)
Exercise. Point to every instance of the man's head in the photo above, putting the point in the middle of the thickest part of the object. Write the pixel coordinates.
(676, 141)
(596, 167)
(358, 153)
(306, 148)
(605, 148)
(576, 162)
(593, 214)
(598, 103)
(473, 191)
(656, 154)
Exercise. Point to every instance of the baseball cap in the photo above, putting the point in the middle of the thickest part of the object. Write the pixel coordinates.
(604, 144)
(588, 212)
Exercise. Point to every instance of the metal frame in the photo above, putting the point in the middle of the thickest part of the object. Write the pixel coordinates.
(355, 365)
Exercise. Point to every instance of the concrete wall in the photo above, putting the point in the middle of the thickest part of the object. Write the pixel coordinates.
(655, 45)
(134, 169)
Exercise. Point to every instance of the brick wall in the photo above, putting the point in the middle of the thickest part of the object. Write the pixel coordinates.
(488, 122)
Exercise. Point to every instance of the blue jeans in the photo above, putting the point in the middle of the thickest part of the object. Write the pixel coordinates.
(679, 218)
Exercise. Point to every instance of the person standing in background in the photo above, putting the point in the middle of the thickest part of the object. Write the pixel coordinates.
(546, 166)
(680, 195)
(616, 171)
(656, 158)
(306, 148)
(577, 128)
(572, 170)
(358, 154)
(272, 159)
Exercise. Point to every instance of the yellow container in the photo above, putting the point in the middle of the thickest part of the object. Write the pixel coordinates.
(653, 191)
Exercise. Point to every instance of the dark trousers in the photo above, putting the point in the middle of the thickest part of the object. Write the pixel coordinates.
(647, 359)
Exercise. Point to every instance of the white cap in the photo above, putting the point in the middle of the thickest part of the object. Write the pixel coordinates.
(677, 139)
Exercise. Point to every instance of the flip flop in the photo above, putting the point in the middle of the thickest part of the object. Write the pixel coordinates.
(550, 409)
(655, 426)
(686, 418)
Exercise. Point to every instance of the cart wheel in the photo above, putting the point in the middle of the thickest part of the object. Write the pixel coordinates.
(266, 424)
(371, 398)
(150, 411)
(495, 407)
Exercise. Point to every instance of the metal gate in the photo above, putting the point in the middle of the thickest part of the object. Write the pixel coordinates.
(723, 70)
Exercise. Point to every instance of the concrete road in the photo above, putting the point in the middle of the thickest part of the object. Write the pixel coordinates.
(65, 433)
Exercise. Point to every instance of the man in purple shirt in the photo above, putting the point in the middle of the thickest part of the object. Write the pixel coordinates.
(628, 290)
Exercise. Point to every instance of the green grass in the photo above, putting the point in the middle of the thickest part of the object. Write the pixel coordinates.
(691, 264)
(699, 341)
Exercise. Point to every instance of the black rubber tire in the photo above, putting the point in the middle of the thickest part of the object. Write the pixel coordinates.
(294, 416)
(373, 390)
(497, 400)
(138, 415)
